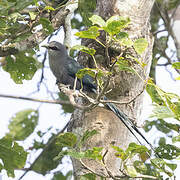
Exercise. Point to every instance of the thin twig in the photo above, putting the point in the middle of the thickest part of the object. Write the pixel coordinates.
(42, 71)
(75, 83)
(107, 82)
(89, 169)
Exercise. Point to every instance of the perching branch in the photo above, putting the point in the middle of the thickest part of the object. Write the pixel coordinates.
(72, 94)
(41, 100)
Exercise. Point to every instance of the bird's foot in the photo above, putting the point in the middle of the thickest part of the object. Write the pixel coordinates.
(91, 100)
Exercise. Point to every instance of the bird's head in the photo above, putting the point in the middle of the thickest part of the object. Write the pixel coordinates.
(56, 49)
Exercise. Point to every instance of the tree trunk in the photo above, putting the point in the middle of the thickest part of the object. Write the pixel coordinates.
(125, 87)
(176, 29)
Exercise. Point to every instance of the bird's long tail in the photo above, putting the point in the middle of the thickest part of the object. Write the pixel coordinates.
(128, 123)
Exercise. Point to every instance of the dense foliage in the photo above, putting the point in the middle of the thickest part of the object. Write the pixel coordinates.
(21, 20)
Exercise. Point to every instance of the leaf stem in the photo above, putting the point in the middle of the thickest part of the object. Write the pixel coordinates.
(100, 43)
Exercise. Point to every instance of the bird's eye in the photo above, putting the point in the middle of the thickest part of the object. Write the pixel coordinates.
(53, 48)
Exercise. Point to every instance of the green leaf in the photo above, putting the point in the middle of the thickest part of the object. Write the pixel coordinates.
(128, 56)
(47, 26)
(152, 171)
(178, 78)
(173, 101)
(176, 139)
(162, 141)
(86, 9)
(22, 37)
(3, 23)
(23, 124)
(60, 176)
(161, 44)
(49, 8)
(67, 108)
(21, 67)
(148, 125)
(154, 93)
(120, 153)
(33, 15)
(4, 7)
(66, 140)
(124, 39)
(115, 24)
(12, 155)
(95, 19)
(140, 45)
(95, 73)
(91, 33)
(161, 165)
(171, 4)
(87, 134)
(176, 65)
(161, 112)
(126, 42)
(85, 49)
(171, 126)
(124, 65)
(14, 16)
(70, 152)
(134, 148)
(161, 125)
(94, 153)
(175, 107)
(172, 166)
(36, 3)
(168, 151)
(82, 72)
(45, 163)
(140, 167)
(22, 4)
(122, 35)
(88, 176)
(131, 171)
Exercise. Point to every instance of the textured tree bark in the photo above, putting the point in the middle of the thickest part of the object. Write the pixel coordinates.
(176, 29)
(125, 87)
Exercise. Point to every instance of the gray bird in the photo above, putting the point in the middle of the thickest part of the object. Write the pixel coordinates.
(65, 68)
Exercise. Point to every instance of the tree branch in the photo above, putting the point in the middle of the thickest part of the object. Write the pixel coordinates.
(36, 38)
(71, 7)
(41, 100)
(72, 94)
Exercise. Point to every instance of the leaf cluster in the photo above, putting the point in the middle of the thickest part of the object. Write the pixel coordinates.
(13, 155)
(74, 145)
(19, 20)
(114, 28)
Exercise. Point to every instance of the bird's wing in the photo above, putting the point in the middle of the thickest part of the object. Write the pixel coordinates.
(73, 67)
